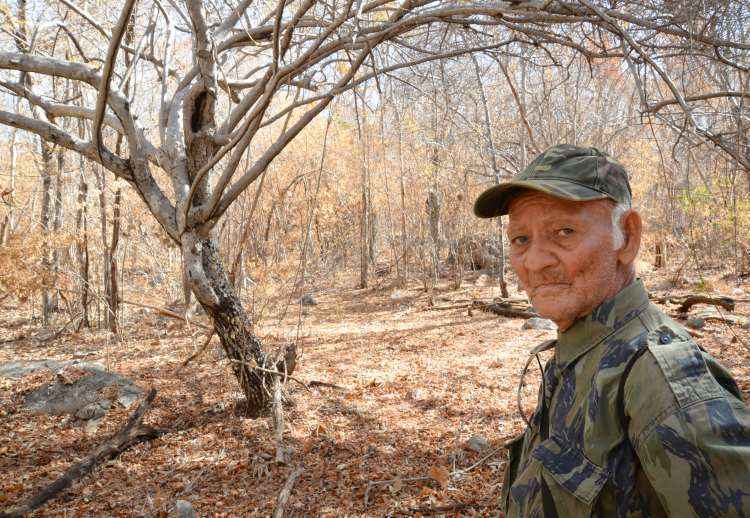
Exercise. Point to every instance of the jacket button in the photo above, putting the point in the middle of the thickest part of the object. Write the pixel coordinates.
(665, 339)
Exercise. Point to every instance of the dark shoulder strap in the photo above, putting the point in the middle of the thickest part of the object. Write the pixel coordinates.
(624, 419)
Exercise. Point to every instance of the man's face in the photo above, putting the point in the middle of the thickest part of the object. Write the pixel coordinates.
(562, 252)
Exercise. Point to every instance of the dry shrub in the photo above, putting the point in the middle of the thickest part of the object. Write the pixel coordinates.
(22, 269)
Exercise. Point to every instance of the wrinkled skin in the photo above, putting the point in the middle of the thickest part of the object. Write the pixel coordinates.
(562, 252)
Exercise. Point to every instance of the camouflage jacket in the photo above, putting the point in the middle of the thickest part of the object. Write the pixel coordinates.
(687, 451)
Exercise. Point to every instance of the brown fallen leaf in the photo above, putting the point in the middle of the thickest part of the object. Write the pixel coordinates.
(440, 475)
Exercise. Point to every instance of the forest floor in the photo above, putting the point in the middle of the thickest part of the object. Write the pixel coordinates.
(416, 383)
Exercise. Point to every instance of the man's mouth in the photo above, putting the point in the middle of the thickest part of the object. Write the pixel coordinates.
(548, 288)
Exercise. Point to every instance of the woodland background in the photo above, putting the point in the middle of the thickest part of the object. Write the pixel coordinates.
(356, 244)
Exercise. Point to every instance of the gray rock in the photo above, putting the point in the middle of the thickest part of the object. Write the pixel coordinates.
(83, 354)
(93, 410)
(477, 443)
(696, 323)
(539, 324)
(308, 300)
(127, 398)
(92, 426)
(83, 398)
(18, 370)
(184, 509)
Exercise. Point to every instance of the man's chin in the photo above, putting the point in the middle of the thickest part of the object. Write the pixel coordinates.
(548, 307)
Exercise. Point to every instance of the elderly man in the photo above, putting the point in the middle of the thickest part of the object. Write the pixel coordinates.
(633, 419)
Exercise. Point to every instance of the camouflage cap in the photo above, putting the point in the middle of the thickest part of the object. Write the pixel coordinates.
(565, 171)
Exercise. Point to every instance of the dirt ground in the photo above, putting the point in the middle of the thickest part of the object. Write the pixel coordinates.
(416, 383)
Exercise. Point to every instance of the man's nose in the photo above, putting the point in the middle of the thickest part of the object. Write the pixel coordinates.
(538, 257)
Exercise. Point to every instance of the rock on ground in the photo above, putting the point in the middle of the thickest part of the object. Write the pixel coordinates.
(16, 370)
(696, 323)
(184, 509)
(308, 300)
(539, 324)
(477, 443)
(83, 390)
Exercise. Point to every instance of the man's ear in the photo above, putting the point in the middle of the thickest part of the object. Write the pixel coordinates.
(632, 227)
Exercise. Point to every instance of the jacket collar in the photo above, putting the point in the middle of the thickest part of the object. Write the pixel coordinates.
(589, 331)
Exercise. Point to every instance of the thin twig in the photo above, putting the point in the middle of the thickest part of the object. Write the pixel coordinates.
(165, 312)
(726, 323)
(316, 383)
(270, 371)
(199, 351)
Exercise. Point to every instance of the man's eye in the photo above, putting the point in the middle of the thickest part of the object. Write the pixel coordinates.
(564, 232)
(519, 240)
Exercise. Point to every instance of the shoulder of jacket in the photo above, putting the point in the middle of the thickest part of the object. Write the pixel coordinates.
(681, 364)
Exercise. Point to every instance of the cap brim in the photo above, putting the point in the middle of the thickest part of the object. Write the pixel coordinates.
(495, 201)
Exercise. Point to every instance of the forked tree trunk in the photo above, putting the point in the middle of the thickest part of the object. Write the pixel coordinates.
(210, 284)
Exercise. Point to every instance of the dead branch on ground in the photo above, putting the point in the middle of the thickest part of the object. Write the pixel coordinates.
(509, 308)
(688, 301)
(132, 433)
(691, 300)
(316, 383)
(504, 309)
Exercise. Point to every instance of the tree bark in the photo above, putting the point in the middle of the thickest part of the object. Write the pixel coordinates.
(211, 287)
(112, 298)
(364, 220)
(82, 248)
(404, 237)
(106, 249)
(57, 224)
(44, 220)
(372, 238)
(434, 207)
